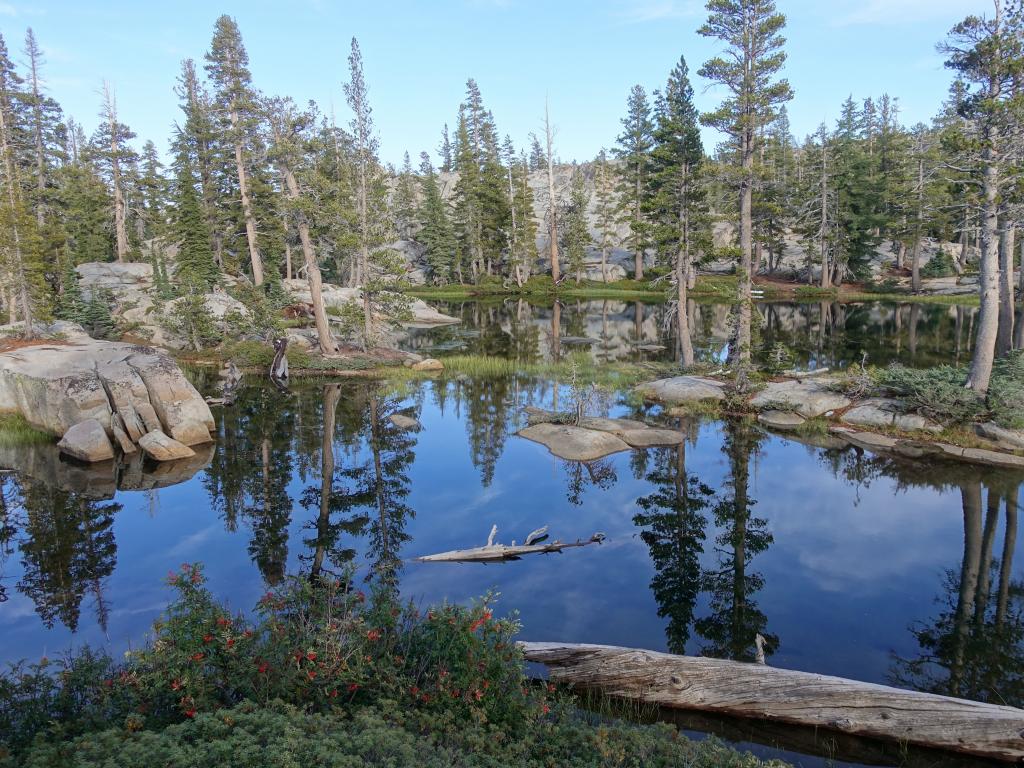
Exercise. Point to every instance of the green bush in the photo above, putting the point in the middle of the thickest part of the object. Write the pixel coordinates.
(938, 392)
(385, 735)
(322, 646)
(939, 265)
(1006, 391)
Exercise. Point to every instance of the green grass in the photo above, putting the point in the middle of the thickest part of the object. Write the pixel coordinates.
(965, 299)
(15, 431)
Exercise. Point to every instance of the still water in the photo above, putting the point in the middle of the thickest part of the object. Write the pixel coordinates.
(898, 571)
(815, 334)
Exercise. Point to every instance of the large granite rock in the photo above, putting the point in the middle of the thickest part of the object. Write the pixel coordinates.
(682, 389)
(87, 441)
(783, 420)
(114, 276)
(884, 412)
(574, 443)
(809, 398)
(338, 296)
(160, 447)
(1011, 439)
(57, 385)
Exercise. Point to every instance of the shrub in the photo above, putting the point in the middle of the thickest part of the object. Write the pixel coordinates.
(937, 392)
(321, 646)
(1006, 391)
(939, 265)
(281, 734)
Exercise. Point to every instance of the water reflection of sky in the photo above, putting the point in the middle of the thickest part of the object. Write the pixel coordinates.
(849, 569)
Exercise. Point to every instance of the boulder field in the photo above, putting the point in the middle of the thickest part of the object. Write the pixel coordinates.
(88, 392)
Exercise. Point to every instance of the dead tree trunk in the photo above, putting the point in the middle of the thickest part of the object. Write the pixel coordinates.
(250, 219)
(120, 227)
(549, 136)
(323, 328)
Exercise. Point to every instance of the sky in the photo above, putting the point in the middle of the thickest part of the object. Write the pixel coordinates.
(582, 56)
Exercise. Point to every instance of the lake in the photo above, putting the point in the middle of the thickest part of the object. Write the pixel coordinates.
(903, 571)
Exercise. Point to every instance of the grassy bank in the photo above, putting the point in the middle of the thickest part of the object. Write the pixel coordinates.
(15, 431)
(323, 675)
(708, 288)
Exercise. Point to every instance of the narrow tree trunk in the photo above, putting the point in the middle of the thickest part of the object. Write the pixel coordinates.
(1011, 505)
(552, 202)
(37, 133)
(18, 270)
(826, 272)
(250, 219)
(971, 500)
(915, 274)
(1007, 246)
(988, 279)
(683, 262)
(741, 355)
(323, 327)
(120, 227)
(332, 393)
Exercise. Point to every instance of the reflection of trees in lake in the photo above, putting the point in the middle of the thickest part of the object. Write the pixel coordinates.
(8, 528)
(735, 619)
(67, 551)
(974, 647)
(673, 526)
(579, 474)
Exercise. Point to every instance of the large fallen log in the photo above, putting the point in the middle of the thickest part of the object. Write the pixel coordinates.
(782, 695)
(495, 553)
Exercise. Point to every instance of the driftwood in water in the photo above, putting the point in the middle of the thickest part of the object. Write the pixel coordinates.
(782, 695)
(279, 368)
(496, 553)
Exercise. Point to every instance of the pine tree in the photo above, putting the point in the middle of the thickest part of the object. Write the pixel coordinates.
(196, 271)
(404, 200)
(633, 151)
(114, 155)
(538, 159)
(236, 105)
(447, 152)
(523, 247)
(70, 303)
(83, 202)
(986, 52)
(152, 192)
(437, 234)
(678, 205)
(292, 133)
(752, 31)
(606, 209)
(576, 237)
(21, 254)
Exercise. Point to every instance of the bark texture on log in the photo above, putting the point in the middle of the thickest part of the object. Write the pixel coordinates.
(802, 698)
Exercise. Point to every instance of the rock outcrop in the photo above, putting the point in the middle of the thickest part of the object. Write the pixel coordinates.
(574, 443)
(809, 398)
(682, 389)
(57, 385)
(422, 314)
(87, 441)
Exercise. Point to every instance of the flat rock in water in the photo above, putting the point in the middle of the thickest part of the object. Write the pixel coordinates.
(87, 441)
(884, 412)
(651, 438)
(574, 443)
(808, 398)
(402, 421)
(617, 427)
(682, 389)
(430, 364)
(785, 420)
(578, 340)
(160, 447)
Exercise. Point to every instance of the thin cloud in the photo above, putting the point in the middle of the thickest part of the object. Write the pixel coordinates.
(894, 12)
(643, 11)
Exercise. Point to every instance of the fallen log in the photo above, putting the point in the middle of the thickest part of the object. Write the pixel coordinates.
(782, 695)
(496, 553)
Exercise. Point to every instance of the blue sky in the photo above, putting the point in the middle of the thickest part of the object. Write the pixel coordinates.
(584, 56)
